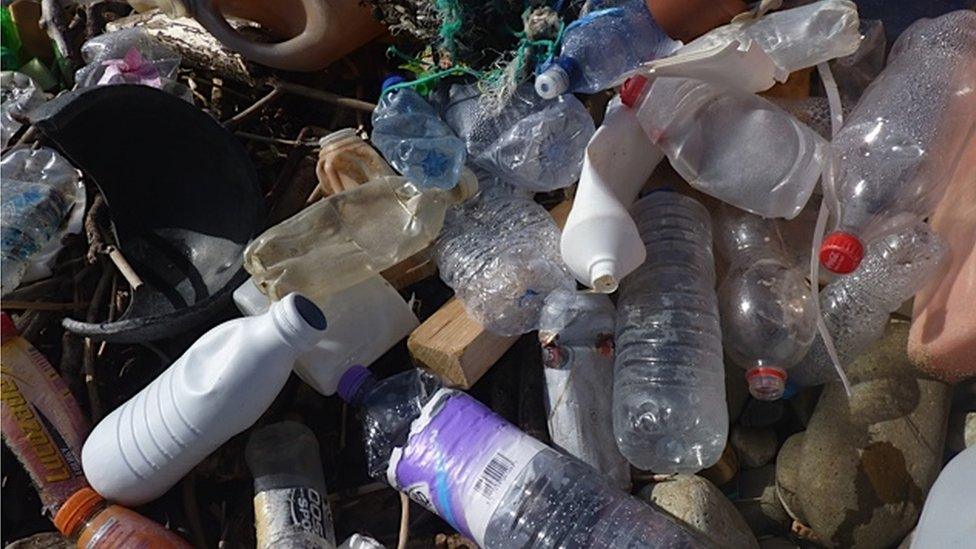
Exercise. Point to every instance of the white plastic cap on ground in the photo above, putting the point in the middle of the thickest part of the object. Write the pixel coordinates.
(553, 82)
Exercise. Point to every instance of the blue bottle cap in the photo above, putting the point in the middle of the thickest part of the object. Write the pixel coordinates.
(392, 81)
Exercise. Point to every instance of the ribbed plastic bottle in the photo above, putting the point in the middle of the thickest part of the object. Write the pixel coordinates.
(500, 254)
(669, 379)
(856, 307)
(346, 238)
(898, 149)
(601, 46)
(220, 386)
(768, 315)
(576, 333)
(290, 506)
(532, 143)
(489, 480)
(40, 189)
(414, 140)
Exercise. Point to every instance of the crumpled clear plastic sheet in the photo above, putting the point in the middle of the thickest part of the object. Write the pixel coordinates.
(854, 72)
(19, 95)
(42, 199)
(130, 56)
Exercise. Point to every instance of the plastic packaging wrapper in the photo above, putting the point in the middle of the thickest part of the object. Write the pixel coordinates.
(43, 199)
(130, 56)
(19, 95)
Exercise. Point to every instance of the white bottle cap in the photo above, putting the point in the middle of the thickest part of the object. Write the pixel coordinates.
(552, 83)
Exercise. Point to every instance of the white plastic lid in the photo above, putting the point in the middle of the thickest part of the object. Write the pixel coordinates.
(553, 82)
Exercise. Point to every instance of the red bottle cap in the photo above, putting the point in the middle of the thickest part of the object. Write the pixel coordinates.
(841, 252)
(631, 90)
(7, 327)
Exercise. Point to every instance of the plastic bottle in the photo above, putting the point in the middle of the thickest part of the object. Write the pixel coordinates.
(902, 142)
(40, 190)
(856, 307)
(769, 167)
(42, 423)
(219, 387)
(344, 239)
(534, 144)
(768, 315)
(499, 254)
(93, 523)
(20, 94)
(314, 33)
(290, 506)
(600, 243)
(669, 379)
(576, 333)
(365, 321)
(600, 47)
(414, 140)
(489, 480)
(346, 161)
(954, 491)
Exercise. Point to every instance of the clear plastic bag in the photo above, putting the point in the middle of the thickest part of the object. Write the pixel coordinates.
(130, 56)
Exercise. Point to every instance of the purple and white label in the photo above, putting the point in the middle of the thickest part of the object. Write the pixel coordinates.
(460, 460)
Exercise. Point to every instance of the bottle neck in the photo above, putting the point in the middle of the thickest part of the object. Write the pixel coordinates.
(355, 384)
(299, 321)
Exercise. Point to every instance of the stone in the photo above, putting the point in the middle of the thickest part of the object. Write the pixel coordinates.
(859, 474)
(758, 502)
(755, 446)
(777, 543)
(698, 503)
(44, 540)
(762, 413)
(736, 390)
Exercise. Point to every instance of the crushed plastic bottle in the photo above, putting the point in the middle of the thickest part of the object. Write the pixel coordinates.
(41, 191)
(290, 506)
(346, 161)
(576, 332)
(769, 169)
(346, 238)
(532, 143)
(19, 94)
(220, 386)
(500, 254)
(600, 47)
(489, 480)
(130, 56)
(669, 378)
(414, 140)
(897, 151)
(856, 307)
(768, 317)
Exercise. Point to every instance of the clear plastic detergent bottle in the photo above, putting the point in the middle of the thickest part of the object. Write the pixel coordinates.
(489, 480)
(601, 46)
(768, 317)
(898, 149)
(414, 140)
(669, 379)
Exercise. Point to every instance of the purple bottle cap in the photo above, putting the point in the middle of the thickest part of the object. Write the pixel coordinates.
(351, 381)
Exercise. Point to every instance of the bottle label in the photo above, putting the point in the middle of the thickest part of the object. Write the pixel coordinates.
(460, 460)
(292, 513)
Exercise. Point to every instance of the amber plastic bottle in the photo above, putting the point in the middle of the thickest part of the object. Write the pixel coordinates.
(93, 523)
(686, 20)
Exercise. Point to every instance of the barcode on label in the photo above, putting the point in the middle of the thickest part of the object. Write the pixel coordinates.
(493, 475)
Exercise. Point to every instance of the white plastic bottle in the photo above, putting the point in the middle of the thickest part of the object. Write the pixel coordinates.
(220, 386)
(669, 411)
(365, 320)
(600, 243)
(576, 333)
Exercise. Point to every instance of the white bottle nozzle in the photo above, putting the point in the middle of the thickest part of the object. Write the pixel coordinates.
(603, 276)
(552, 83)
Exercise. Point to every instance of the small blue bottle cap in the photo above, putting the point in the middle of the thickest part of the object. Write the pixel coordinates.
(392, 81)
(352, 381)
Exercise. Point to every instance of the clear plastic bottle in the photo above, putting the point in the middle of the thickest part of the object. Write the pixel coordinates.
(576, 332)
(500, 254)
(768, 317)
(489, 480)
(414, 140)
(669, 379)
(344, 239)
(532, 143)
(40, 188)
(898, 149)
(601, 46)
(290, 506)
(856, 307)
(219, 387)
(19, 94)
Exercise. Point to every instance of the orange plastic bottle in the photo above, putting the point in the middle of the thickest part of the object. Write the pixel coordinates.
(314, 33)
(93, 523)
